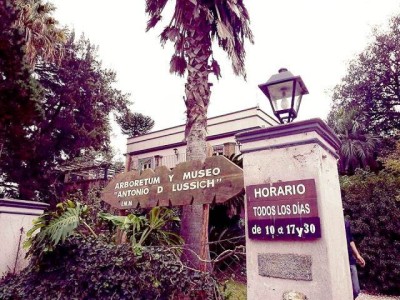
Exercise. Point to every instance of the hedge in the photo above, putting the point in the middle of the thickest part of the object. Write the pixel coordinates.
(372, 201)
(89, 268)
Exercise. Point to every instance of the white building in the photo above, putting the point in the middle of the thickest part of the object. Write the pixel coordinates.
(167, 147)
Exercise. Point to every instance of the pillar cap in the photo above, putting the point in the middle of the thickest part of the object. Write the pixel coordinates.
(316, 125)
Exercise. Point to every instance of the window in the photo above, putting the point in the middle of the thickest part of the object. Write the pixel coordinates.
(145, 163)
(218, 150)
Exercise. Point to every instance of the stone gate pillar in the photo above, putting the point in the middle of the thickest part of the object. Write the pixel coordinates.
(295, 237)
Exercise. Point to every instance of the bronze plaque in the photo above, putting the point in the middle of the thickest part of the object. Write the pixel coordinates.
(283, 210)
(217, 179)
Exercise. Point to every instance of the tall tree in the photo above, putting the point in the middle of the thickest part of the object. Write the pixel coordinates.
(19, 92)
(192, 28)
(43, 37)
(134, 124)
(372, 83)
(70, 116)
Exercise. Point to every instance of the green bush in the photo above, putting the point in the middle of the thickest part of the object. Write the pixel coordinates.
(372, 201)
(89, 268)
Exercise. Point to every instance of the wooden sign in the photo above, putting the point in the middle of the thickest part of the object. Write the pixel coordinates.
(189, 183)
(283, 211)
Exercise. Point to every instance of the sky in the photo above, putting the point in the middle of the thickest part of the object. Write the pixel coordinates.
(315, 39)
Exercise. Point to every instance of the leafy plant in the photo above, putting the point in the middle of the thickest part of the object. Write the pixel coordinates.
(147, 230)
(55, 227)
(372, 203)
(90, 268)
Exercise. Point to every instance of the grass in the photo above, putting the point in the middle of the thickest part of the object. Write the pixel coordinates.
(234, 290)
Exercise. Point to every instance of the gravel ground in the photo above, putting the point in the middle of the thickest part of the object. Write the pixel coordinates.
(363, 296)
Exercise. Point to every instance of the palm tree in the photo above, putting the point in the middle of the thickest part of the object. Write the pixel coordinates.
(42, 36)
(357, 148)
(192, 28)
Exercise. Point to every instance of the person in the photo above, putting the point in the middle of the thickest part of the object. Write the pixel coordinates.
(354, 257)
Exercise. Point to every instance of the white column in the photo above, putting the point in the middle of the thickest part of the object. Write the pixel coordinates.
(315, 266)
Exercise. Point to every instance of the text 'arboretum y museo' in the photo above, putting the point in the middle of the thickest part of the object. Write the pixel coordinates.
(189, 183)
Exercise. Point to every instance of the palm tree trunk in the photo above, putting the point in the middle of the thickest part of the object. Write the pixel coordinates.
(194, 227)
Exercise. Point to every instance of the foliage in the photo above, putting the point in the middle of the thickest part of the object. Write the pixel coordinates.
(55, 96)
(229, 26)
(193, 27)
(358, 148)
(44, 39)
(372, 201)
(392, 161)
(17, 89)
(69, 263)
(134, 124)
(147, 230)
(89, 268)
(70, 117)
(371, 84)
(93, 200)
(234, 290)
(55, 227)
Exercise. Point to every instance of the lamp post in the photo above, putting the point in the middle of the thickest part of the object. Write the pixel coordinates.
(284, 91)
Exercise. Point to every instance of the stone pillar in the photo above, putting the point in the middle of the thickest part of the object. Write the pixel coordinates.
(16, 218)
(157, 160)
(229, 149)
(128, 162)
(295, 237)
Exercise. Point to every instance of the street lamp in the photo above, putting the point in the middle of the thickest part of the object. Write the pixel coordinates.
(284, 91)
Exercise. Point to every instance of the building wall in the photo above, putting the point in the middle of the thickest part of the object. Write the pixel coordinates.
(170, 145)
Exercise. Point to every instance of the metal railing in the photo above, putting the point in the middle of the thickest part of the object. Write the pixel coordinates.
(169, 161)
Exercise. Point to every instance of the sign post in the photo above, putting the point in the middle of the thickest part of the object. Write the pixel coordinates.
(295, 239)
(189, 183)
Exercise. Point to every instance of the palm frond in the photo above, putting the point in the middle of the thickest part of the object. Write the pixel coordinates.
(178, 65)
(231, 29)
(152, 22)
(215, 68)
(43, 37)
(154, 9)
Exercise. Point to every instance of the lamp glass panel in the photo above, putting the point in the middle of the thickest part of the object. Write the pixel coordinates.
(299, 90)
(297, 101)
(298, 96)
(280, 90)
(282, 104)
